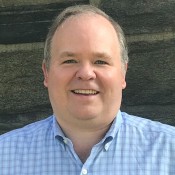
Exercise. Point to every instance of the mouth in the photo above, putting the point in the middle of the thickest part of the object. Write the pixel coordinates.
(85, 92)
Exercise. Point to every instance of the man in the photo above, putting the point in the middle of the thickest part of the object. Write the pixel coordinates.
(84, 70)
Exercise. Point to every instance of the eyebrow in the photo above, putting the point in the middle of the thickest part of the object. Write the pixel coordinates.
(94, 54)
(67, 54)
(102, 55)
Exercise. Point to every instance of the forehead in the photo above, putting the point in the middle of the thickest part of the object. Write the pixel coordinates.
(85, 33)
(86, 23)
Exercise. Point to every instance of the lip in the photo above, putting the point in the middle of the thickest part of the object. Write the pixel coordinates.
(86, 92)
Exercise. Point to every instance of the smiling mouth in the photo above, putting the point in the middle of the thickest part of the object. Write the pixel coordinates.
(85, 92)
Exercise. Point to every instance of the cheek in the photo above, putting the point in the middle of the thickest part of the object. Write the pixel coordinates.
(60, 79)
(113, 79)
(56, 89)
(54, 81)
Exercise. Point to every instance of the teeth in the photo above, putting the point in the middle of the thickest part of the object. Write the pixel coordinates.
(87, 92)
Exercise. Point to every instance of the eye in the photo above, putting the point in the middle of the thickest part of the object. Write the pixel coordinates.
(100, 62)
(69, 61)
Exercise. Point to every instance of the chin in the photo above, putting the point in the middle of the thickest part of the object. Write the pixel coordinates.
(86, 115)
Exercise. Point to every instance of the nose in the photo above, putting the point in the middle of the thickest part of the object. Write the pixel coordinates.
(86, 72)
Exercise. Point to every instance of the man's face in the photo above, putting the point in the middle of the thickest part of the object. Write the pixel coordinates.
(85, 78)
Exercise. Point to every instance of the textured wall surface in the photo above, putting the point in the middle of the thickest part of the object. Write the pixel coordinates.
(150, 31)
(23, 28)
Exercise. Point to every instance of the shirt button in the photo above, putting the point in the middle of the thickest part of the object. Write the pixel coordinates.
(65, 141)
(106, 147)
(84, 171)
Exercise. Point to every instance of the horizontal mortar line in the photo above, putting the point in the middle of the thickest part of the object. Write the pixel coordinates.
(24, 23)
(32, 2)
(21, 46)
(151, 37)
(29, 2)
(134, 38)
(150, 105)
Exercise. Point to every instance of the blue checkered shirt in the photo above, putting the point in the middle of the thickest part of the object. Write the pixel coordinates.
(132, 146)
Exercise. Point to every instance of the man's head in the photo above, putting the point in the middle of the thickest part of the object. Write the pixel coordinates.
(84, 9)
(83, 68)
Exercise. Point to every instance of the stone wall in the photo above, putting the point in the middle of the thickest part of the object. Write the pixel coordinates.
(150, 32)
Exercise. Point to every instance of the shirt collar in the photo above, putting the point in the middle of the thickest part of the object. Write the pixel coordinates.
(57, 129)
(108, 137)
(112, 132)
(115, 126)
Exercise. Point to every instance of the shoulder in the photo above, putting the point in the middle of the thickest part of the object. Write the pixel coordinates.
(29, 131)
(151, 142)
(148, 126)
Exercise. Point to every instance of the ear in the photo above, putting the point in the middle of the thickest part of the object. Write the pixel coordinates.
(123, 83)
(124, 77)
(45, 73)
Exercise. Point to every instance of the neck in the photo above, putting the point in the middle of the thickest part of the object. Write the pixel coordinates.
(84, 139)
